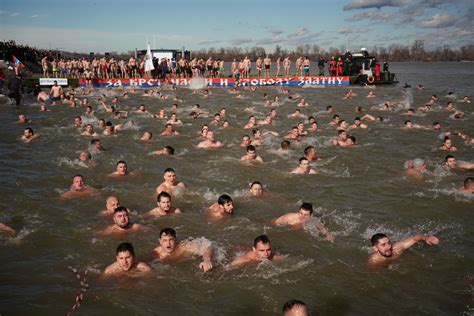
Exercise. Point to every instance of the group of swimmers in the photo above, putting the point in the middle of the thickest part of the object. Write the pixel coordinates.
(169, 248)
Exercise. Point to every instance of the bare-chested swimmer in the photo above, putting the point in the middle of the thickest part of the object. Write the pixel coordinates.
(468, 186)
(297, 219)
(223, 207)
(111, 203)
(304, 167)
(7, 230)
(210, 141)
(78, 188)
(165, 151)
(122, 224)
(261, 252)
(125, 263)
(170, 183)
(164, 207)
(256, 189)
(415, 169)
(251, 155)
(385, 252)
(121, 170)
(310, 153)
(450, 163)
(170, 250)
(29, 135)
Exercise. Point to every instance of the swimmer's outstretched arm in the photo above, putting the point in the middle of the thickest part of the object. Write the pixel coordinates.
(7, 229)
(323, 230)
(406, 243)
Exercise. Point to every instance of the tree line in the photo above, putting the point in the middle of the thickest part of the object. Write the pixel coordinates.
(394, 52)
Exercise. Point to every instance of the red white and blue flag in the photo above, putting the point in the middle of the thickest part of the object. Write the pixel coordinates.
(17, 62)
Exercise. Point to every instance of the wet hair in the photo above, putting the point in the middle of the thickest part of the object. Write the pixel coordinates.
(121, 161)
(29, 129)
(375, 238)
(352, 138)
(250, 148)
(329, 107)
(224, 199)
(169, 149)
(468, 181)
(307, 207)
(162, 194)
(108, 123)
(193, 113)
(78, 175)
(407, 121)
(380, 118)
(448, 157)
(357, 118)
(262, 238)
(255, 131)
(126, 246)
(94, 141)
(254, 183)
(167, 231)
(435, 123)
(302, 159)
(169, 170)
(307, 149)
(285, 144)
(335, 116)
(288, 306)
(339, 132)
(120, 209)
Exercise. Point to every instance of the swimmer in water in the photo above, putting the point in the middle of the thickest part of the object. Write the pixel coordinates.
(78, 188)
(450, 163)
(22, 119)
(252, 123)
(245, 141)
(210, 141)
(125, 263)
(111, 203)
(96, 146)
(304, 167)
(89, 131)
(164, 207)
(310, 153)
(121, 170)
(29, 135)
(284, 147)
(86, 157)
(170, 250)
(147, 137)
(165, 151)
(251, 155)
(341, 139)
(293, 134)
(447, 145)
(122, 224)
(256, 189)
(7, 230)
(223, 207)
(169, 130)
(297, 219)
(296, 308)
(358, 124)
(174, 120)
(170, 183)
(385, 252)
(415, 169)
(468, 186)
(261, 252)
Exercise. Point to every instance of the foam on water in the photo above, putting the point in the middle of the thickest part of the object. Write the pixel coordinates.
(71, 162)
(197, 83)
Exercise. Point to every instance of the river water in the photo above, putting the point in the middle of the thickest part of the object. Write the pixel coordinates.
(356, 192)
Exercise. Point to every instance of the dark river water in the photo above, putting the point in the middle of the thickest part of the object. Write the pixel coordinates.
(356, 192)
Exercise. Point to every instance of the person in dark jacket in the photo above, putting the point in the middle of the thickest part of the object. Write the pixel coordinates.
(15, 88)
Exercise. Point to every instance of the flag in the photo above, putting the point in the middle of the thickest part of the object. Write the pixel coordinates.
(17, 62)
(149, 59)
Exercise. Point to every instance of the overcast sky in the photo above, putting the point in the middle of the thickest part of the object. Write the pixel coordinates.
(100, 26)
